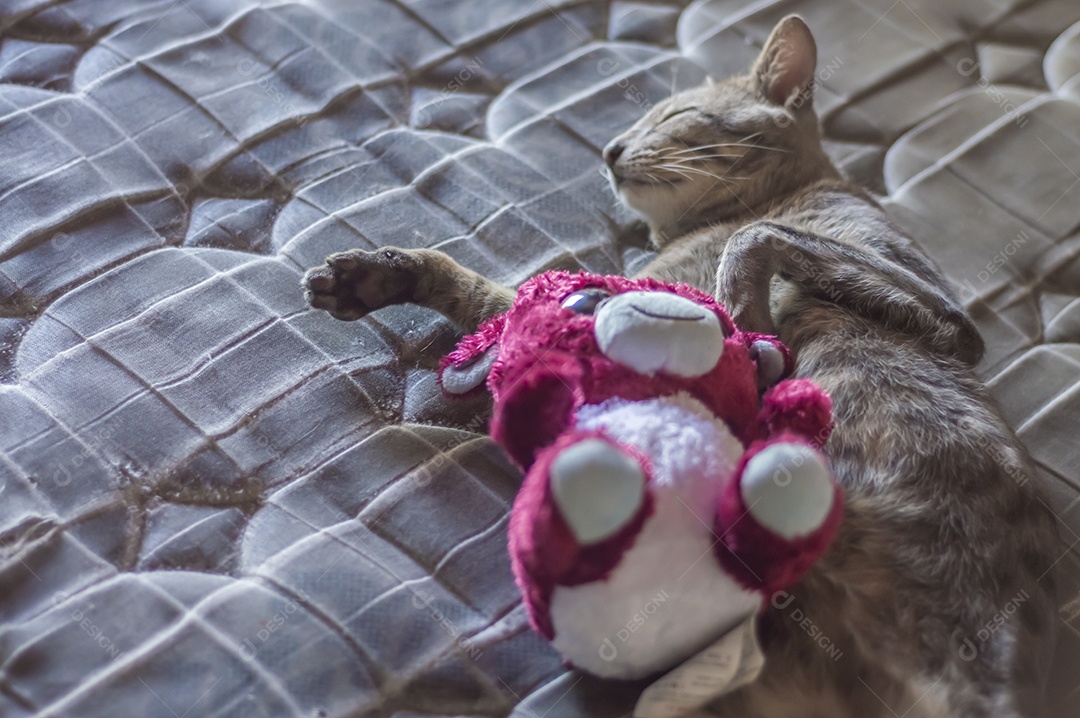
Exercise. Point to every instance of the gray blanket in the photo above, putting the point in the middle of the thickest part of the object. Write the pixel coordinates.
(217, 502)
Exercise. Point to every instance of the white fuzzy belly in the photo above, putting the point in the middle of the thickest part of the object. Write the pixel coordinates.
(668, 598)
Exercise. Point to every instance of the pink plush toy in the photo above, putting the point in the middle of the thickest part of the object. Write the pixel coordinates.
(666, 461)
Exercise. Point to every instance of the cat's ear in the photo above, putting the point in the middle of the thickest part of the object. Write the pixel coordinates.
(784, 71)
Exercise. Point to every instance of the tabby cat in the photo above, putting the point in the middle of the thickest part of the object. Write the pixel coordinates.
(937, 598)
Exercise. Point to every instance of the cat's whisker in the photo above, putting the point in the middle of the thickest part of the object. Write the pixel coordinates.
(698, 148)
(717, 154)
(691, 158)
(684, 172)
(751, 141)
(694, 170)
(684, 153)
(725, 178)
(754, 147)
(652, 178)
(747, 138)
(726, 145)
(765, 147)
(685, 168)
(676, 170)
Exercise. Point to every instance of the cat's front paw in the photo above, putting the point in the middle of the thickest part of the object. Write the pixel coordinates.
(354, 283)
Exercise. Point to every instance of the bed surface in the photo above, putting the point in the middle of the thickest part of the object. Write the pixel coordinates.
(217, 502)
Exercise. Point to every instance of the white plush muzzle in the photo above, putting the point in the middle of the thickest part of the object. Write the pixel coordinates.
(659, 332)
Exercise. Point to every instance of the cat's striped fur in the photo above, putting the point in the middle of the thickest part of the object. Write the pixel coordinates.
(944, 534)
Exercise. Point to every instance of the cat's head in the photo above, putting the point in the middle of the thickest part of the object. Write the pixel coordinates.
(728, 147)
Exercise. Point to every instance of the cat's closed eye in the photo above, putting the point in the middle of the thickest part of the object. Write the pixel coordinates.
(675, 113)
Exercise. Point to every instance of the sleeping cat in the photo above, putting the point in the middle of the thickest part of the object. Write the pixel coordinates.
(938, 592)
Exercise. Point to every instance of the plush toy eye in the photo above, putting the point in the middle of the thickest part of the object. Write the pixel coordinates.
(586, 301)
(770, 363)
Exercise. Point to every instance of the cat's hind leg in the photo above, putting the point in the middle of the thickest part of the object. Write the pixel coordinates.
(858, 278)
(801, 679)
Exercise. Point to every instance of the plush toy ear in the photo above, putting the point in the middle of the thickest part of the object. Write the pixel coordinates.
(771, 363)
(771, 358)
(468, 366)
(461, 379)
(784, 71)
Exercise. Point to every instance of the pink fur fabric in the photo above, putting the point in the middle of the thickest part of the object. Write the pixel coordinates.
(549, 365)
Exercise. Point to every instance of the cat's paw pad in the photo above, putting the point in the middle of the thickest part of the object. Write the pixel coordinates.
(354, 283)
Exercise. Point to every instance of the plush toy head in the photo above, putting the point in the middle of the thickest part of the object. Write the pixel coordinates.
(575, 339)
(672, 478)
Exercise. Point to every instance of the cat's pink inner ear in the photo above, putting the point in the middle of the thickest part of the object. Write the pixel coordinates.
(784, 71)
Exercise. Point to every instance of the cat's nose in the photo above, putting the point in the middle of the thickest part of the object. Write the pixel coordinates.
(612, 152)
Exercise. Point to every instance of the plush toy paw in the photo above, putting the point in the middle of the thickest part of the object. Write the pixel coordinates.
(779, 516)
(788, 489)
(597, 488)
(798, 406)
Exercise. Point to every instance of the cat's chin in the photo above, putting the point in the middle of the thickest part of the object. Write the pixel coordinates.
(660, 205)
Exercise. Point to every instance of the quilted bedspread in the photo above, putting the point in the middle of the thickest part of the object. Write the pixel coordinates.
(217, 502)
